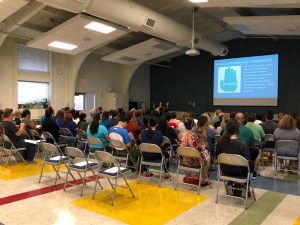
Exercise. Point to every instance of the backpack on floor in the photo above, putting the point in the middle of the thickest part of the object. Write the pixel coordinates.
(191, 178)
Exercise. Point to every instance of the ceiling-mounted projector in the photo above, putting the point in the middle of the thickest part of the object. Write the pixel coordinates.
(192, 52)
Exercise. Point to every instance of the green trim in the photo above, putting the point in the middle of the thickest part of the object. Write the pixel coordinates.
(260, 209)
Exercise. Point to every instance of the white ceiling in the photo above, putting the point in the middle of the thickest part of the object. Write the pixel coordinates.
(266, 25)
(250, 3)
(142, 52)
(73, 32)
(8, 7)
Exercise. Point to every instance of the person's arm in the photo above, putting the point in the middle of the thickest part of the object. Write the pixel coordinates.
(21, 130)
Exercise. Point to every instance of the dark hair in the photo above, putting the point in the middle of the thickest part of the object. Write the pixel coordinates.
(173, 115)
(232, 115)
(250, 117)
(232, 127)
(138, 113)
(60, 115)
(25, 112)
(114, 113)
(125, 117)
(202, 121)
(48, 113)
(146, 119)
(163, 124)
(67, 109)
(269, 114)
(167, 115)
(105, 115)
(153, 121)
(188, 123)
(74, 113)
(82, 116)
(259, 116)
(7, 112)
(95, 124)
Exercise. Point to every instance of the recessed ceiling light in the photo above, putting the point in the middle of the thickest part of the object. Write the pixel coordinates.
(198, 1)
(62, 45)
(99, 27)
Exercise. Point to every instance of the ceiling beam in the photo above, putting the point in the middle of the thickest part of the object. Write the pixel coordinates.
(20, 17)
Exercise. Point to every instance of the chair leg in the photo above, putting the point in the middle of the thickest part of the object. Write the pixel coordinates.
(114, 192)
(161, 168)
(177, 177)
(95, 187)
(140, 172)
(129, 188)
(247, 186)
(42, 172)
(251, 184)
(83, 183)
(275, 163)
(66, 181)
(200, 180)
(218, 188)
(97, 181)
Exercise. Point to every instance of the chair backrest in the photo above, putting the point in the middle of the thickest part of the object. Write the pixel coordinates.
(50, 149)
(257, 143)
(150, 148)
(105, 157)
(49, 136)
(94, 141)
(188, 152)
(7, 141)
(269, 137)
(81, 134)
(115, 136)
(25, 135)
(287, 145)
(66, 132)
(35, 134)
(118, 145)
(233, 160)
(74, 152)
(166, 141)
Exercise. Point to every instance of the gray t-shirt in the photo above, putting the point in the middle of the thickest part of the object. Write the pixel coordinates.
(283, 134)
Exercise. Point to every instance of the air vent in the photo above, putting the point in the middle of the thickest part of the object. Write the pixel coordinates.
(150, 22)
(128, 59)
(163, 46)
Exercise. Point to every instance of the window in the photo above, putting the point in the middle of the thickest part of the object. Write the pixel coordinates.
(29, 92)
(31, 59)
(79, 101)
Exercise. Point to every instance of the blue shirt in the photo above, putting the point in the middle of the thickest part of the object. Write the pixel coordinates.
(156, 137)
(100, 134)
(105, 123)
(123, 132)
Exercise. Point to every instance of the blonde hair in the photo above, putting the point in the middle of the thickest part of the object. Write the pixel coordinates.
(225, 119)
(287, 122)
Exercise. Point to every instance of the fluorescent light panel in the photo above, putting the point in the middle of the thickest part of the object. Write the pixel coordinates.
(198, 1)
(99, 27)
(62, 45)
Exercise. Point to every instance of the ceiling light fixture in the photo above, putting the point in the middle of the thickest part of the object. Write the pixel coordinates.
(99, 27)
(62, 45)
(198, 1)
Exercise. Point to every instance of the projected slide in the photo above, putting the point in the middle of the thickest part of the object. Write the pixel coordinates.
(247, 81)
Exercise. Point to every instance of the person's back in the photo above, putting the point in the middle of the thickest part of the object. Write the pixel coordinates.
(49, 126)
(101, 132)
(9, 129)
(156, 137)
(256, 129)
(269, 126)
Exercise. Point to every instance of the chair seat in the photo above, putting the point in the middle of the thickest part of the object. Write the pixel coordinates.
(114, 171)
(58, 159)
(239, 179)
(83, 165)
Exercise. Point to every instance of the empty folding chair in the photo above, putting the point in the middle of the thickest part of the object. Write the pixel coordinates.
(189, 152)
(235, 160)
(113, 173)
(287, 150)
(152, 149)
(122, 154)
(80, 164)
(11, 150)
(54, 157)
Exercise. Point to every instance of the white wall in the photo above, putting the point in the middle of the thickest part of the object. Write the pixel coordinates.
(58, 77)
(139, 88)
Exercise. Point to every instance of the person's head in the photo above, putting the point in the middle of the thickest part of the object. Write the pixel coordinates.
(232, 128)
(74, 113)
(67, 109)
(259, 116)
(217, 112)
(191, 114)
(280, 116)
(114, 113)
(298, 122)
(167, 115)
(48, 113)
(225, 119)
(189, 123)
(8, 114)
(82, 116)
(26, 114)
(18, 114)
(163, 124)
(173, 115)
(206, 115)
(250, 117)
(124, 119)
(68, 117)
(95, 124)
(60, 115)
(269, 115)
(153, 122)
(138, 114)
(1, 113)
(232, 115)
(240, 118)
(105, 115)
(202, 122)
(92, 113)
(287, 122)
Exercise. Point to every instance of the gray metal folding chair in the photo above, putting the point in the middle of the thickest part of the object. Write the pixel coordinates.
(49, 138)
(10, 150)
(65, 132)
(169, 148)
(113, 173)
(26, 135)
(234, 160)
(81, 139)
(80, 164)
(153, 149)
(287, 145)
(189, 152)
(54, 157)
(93, 141)
(36, 136)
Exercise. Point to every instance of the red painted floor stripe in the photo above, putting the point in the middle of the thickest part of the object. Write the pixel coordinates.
(41, 191)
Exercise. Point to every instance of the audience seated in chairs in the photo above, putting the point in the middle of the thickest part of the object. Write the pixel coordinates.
(190, 139)
(8, 128)
(96, 130)
(133, 128)
(168, 131)
(256, 129)
(269, 126)
(206, 133)
(153, 136)
(82, 124)
(50, 126)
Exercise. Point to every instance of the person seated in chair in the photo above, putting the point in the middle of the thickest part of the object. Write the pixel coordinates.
(8, 128)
